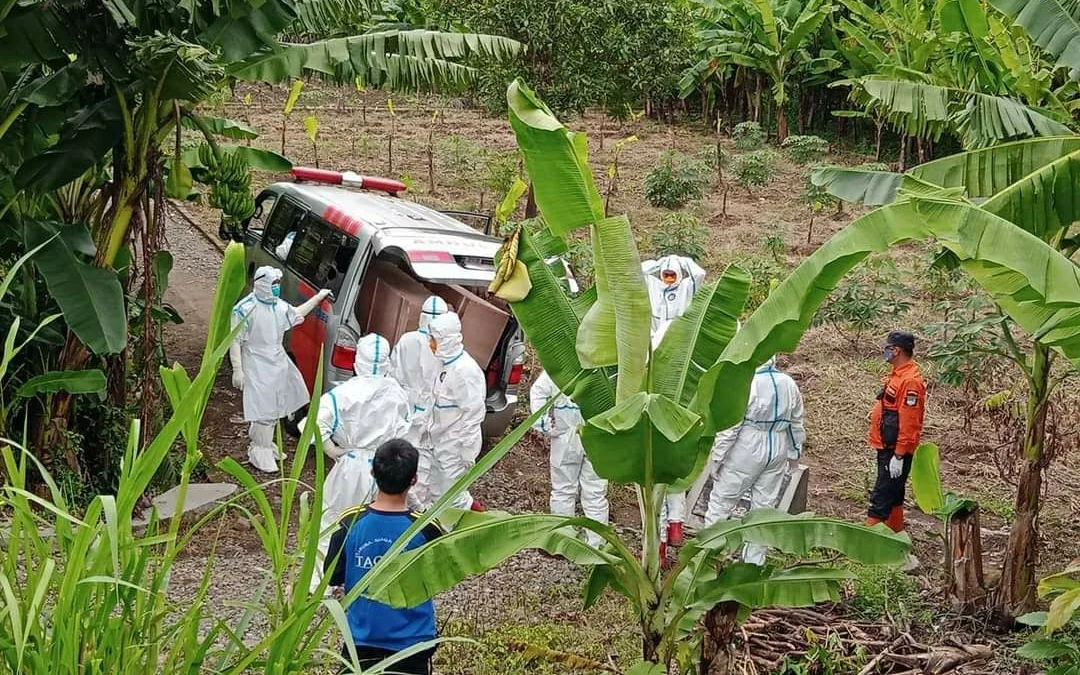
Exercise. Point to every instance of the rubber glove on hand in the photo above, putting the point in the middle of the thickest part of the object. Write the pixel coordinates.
(238, 379)
(896, 466)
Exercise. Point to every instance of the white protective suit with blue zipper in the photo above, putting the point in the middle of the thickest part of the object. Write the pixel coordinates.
(458, 407)
(754, 454)
(354, 419)
(415, 367)
(670, 301)
(273, 387)
(571, 470)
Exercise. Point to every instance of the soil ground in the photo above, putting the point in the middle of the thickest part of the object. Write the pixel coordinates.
(534, 599)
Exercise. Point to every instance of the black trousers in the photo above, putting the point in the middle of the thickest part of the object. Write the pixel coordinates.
(417, 664)
(888, 491)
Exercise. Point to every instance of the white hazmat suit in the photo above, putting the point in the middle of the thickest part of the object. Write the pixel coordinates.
(571, 470)
(458, 408)
(272, 385)
(354, 419)
(670, 301)
(416, 368)
(753, 455)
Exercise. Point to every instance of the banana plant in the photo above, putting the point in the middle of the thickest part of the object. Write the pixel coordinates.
(647, 425)
(651, 415)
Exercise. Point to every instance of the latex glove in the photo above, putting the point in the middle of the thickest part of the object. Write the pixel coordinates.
(237, 366)
(238, 379)
(332, 450)
(792, 465)
(896, 466)
(314, 301)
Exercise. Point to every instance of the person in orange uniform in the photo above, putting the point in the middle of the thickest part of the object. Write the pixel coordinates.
(896, 422)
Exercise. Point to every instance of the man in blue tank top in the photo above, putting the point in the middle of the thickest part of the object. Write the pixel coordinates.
(364, 535)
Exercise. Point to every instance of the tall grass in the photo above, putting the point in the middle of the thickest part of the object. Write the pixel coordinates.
(88, 593)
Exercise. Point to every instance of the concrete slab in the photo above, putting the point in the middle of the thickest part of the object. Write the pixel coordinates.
(200, 496)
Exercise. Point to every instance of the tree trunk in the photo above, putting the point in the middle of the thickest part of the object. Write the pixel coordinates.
(781, 124)
(716, 648)
(1017, 593)
(903, 153)
(963, 561)
(880, 125)
(757, 99)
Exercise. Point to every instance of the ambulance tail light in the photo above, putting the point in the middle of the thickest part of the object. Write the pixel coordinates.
(515, 373)
(343, 355)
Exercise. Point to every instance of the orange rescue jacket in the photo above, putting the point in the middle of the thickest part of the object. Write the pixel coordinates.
(897, 418)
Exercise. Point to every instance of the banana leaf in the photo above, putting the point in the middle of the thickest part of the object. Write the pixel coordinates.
(1051, 25)
(90, 297)
(645, 439)
(798, 535)
(557, 163)
(982, 173)
(221, 126)
(1033, 283)
(613, 331)
(550, 321)
(477, 545)
(71, 381)
(697, 338)
(759, 587)
(926, 478)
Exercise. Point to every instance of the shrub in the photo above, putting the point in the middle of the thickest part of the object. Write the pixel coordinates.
(748, 136)
(805, 149)
(679, 234)
(500, 170)
(754, 169)
(765, 274)
(774, 243)
(677, 180)
(460, 157)
(867, 300)
(887, 591)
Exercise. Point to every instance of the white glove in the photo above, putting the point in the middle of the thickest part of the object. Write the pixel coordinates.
(307, 307)
(792, 464)
(896, 466)
(332, 450)
(238, 379)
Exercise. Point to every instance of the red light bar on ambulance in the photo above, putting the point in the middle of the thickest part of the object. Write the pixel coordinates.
(430, 257)
(348, 179)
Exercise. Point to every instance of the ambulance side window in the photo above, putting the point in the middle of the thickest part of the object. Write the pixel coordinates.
(321, 254)
(263, 209)
(286, 218)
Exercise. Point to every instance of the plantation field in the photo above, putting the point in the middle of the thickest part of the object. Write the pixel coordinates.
(767, 231)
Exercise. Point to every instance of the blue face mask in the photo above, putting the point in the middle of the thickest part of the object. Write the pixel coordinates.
(276, 290)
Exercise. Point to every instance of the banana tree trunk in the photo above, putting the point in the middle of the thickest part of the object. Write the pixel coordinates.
(963, 560)
(1017, 593)
(717, 654)
(781, 124)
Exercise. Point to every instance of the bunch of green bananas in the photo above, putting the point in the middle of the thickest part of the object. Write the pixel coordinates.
(229, 177)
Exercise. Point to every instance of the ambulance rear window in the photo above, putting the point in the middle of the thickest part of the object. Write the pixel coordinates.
(322, 253)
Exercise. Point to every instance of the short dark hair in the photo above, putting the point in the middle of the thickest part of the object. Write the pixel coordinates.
(394, 466)
(903, 340)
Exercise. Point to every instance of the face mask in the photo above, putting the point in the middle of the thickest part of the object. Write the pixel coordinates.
(889, 354)
(276, 290)
(668, 279)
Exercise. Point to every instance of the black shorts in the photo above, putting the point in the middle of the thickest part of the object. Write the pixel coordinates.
(888, 491)
(417, 664)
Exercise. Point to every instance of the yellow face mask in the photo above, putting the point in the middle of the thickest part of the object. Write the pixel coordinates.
(668, 277)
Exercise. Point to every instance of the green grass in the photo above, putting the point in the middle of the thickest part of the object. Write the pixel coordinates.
(537, 626)
(878, 593)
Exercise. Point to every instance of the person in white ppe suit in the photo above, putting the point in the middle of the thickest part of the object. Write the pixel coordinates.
(354, 419)
(285, 246)
(458, 408)
(571, 470)
(415, 367)
(273, 387)
(672, 281)
(754, 455)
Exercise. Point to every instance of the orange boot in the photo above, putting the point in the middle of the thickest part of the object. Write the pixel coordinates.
(896, 519)
(870, 521)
